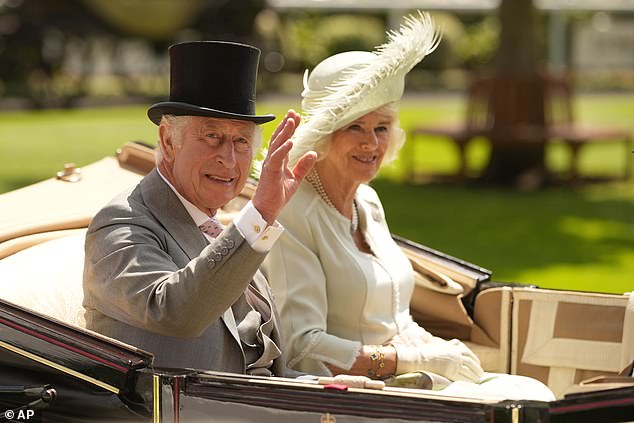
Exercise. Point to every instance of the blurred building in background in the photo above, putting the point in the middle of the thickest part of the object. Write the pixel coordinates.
(65, 53)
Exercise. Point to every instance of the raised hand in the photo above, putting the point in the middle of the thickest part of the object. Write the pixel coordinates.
(278, 182)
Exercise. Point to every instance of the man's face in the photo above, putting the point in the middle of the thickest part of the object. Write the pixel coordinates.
(210, 164)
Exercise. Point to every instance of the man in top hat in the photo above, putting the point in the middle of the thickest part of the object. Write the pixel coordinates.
(160, 272)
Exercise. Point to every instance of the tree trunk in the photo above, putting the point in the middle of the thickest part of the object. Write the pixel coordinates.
(517, 101)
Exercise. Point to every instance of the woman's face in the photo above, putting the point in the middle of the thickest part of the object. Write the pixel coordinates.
(357, 150)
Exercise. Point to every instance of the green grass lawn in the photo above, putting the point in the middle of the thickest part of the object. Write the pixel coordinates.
(575, 238)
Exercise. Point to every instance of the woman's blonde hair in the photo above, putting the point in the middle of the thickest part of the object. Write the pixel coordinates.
(395, 142)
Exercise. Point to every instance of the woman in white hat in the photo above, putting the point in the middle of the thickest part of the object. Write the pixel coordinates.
(341, 284)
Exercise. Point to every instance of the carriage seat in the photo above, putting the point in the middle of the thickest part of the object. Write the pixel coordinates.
(47, 278)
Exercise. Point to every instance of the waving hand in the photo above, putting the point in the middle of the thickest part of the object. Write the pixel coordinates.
(278, 182)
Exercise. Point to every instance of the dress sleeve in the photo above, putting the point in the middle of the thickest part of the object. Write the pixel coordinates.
(299, 285)
(414, 336)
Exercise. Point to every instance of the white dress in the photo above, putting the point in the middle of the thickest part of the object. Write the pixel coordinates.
(333, 298)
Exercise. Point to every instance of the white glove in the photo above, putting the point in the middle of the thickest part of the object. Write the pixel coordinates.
(451, 359)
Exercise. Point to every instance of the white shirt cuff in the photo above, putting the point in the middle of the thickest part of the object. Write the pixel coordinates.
(255, 230)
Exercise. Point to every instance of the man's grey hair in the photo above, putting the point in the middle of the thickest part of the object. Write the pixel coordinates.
(176, 125)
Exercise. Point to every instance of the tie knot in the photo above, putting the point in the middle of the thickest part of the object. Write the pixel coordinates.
(212, 227)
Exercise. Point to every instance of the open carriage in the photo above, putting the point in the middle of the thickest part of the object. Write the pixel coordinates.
(53, 369)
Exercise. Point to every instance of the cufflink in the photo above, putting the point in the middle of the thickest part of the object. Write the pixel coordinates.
(376, 214)
(257, 229)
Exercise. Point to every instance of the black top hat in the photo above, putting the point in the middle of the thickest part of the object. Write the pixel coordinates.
(211, 78)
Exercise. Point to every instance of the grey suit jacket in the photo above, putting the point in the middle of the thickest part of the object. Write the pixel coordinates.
(151, 279)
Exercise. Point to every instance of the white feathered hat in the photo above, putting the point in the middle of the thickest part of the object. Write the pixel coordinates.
(348, 85)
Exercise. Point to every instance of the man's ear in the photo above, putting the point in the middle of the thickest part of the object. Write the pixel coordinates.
(167, 143)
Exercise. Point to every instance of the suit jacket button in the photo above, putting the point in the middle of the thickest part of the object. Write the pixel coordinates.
(230, 243)
(224, 251)
(218, 257)
(212, 263)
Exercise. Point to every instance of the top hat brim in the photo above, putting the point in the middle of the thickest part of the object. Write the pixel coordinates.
(156, 112)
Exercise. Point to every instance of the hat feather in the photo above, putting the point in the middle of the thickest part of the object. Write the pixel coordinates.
(416, 38)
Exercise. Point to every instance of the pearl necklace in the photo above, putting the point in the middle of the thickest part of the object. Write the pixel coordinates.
(315, 181)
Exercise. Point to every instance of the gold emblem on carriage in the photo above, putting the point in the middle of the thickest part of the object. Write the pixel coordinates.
(328, 418)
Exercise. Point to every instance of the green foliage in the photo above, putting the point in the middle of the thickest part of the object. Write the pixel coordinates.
(452, 31)
(309, 39)
(465, 45)
(478, 45)
(35, 145)
(557, 238)
(562, 238)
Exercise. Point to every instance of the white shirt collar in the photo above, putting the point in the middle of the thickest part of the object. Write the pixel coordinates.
(196, 214)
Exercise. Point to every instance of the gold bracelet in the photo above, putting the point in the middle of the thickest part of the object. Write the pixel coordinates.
(381, 364)
(377, 362)
(374, 357)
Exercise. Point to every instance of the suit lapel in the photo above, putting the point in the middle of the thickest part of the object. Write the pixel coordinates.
(230, 322)
(171, 213)
(262, 290)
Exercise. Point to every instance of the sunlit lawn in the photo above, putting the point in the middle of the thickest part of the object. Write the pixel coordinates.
(576, 238)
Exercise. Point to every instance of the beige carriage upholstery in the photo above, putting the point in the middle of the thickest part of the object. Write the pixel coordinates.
(44, 210)
(563, 338)
(491, 337)
(47, 278)
(441, 312)
(42, 248)
(559, 337)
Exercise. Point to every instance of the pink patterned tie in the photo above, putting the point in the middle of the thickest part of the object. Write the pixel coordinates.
(211, 227)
